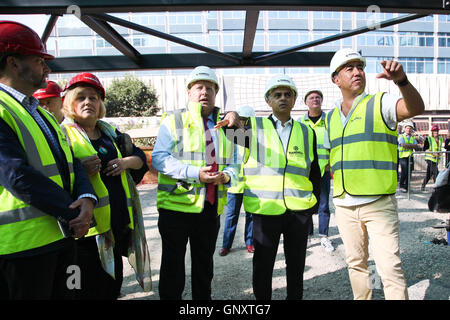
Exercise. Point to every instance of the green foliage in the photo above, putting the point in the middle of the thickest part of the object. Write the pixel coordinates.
(130, 97)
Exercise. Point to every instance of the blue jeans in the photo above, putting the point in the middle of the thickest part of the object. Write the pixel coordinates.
(324, 207)
(233, 209)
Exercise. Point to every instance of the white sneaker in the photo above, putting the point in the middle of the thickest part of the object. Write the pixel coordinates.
(326, 243)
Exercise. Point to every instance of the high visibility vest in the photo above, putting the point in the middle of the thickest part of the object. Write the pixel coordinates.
(23, 227)
(82, 148)
(188, 134)
(434, 147)
(403, 152)
(239, 187)
(319, 128)
(276, 181)
(363, 156)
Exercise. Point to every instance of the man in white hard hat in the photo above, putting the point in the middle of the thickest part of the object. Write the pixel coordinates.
(315, 118)
(235, 197)
(407, 143)
(363, 158)
(192, 180)
(282, 188)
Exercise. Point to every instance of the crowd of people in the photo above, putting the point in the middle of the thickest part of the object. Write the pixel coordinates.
(68, 180)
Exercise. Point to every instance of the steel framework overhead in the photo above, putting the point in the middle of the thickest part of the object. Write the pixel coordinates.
(94, 13)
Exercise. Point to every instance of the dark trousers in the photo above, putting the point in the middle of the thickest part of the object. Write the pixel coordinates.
(39, 277)
(404, 178)
(432, 172)
(96, 283)
(176, 228)
(266, 236)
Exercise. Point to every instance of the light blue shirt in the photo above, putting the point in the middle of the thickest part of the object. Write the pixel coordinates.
(283, 130)
(164, 161)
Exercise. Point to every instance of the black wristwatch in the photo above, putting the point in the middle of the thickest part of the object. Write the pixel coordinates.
(402, 82)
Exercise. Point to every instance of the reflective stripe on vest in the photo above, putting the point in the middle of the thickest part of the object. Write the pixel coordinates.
(363, 155)
(436, 157)
(188, 134)
(274, 180)
(319, 128)
(23, 227)
(82, 148)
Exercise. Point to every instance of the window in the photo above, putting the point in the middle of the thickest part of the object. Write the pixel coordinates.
(327, 15)
(73, 43)
(444, 40)
(185, 18)
(233, 38)
(287, 38)
(417, 65)
(373, 64)
(288, 15)
(379, 39)
(416, 39)
(443, 65)
(149, 19)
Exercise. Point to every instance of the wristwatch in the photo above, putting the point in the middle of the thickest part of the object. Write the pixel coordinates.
(402, 82)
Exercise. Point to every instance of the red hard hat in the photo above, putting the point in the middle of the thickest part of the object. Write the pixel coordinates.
(18, 38)
(88, 79)
(52, 90)
(434, 127)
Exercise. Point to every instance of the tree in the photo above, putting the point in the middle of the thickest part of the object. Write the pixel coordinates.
(130, 97)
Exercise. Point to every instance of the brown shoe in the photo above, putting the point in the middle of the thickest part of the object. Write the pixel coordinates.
(251, 249)
(223, 252)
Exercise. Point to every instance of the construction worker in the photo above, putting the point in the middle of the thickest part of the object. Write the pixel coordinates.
(46, 198)
(362, 133)
(282, 188)
(50, 99)
(432, 143)
(315, 118)
(407, 143)
(234, 201)
(193, 176)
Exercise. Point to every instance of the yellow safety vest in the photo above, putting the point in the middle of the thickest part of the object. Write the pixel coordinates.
(188, 134)
(403, 152)
(363, 156)
(276, 181)
(434, 147)
(319, 128)
(23, 227)
(82, 148)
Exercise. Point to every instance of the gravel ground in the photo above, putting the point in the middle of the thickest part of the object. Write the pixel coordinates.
(425, 264)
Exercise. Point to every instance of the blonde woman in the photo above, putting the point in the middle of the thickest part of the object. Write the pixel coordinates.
(97, 144)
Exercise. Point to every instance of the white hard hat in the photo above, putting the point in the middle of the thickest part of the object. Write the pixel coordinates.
(341, 57)
(246, 112)
(311, 91)
(202, 73)
(408, 123)
(281, 80)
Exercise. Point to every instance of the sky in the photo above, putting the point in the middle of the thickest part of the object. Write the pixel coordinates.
(37, 22)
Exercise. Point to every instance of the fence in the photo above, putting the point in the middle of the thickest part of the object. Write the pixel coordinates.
(419, 169)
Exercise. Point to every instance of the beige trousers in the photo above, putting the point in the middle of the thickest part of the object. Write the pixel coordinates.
(378, 221)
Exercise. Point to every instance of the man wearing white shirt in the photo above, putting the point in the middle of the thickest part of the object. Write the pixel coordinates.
(189, 155)
(282, 189)
(363, 157)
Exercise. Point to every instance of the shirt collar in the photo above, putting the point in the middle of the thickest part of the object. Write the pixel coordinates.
(338, 103)
(289, 122)
(31, 103)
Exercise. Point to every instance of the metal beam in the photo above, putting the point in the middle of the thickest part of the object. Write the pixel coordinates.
(342, 35)
(181, 61)
(162, 35)
(49, 28)
(251, 22)
(99, 6)
(112, 36)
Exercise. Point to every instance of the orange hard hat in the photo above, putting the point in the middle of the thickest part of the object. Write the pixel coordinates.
(434, 127)
(52, 90)
(18, 38)
(88, 79)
